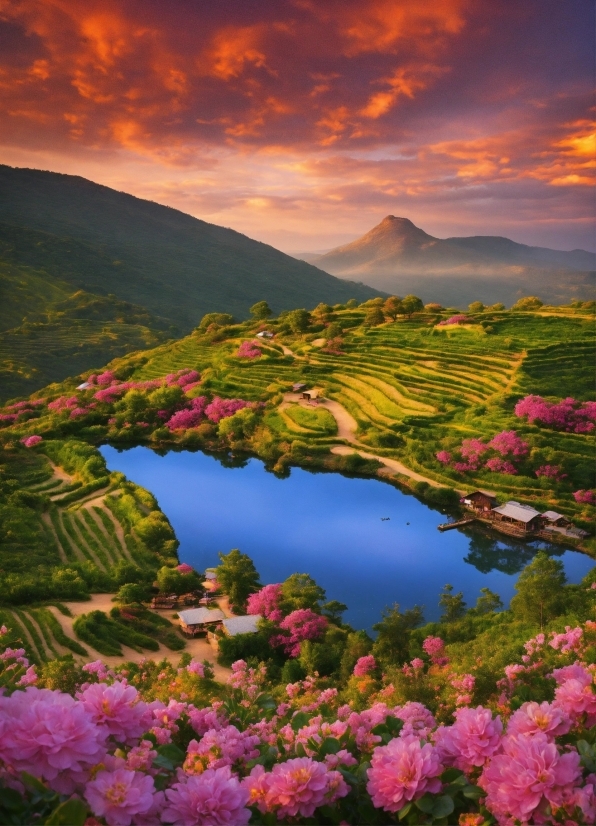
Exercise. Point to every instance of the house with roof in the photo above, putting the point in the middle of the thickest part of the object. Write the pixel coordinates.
(265, 334)
(553, 519)
(481, 501)
(232, 626)
(197, 620)
(515, 518)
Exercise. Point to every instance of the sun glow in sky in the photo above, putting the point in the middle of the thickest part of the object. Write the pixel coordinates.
(303, 123)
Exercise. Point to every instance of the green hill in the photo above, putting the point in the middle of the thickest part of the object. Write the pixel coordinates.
(176, 266)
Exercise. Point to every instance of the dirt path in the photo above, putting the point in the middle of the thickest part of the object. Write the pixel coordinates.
(60, 473)
(198, 648)
(346, 429)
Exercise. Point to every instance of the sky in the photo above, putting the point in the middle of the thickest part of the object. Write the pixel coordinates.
(302, 123)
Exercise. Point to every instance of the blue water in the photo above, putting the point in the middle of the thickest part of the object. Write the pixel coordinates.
(329, 526)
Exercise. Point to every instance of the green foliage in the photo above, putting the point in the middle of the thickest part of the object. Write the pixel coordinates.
(453, 605)
(245, 647)
(171, 581)
(540, 590)
(220, 319)
(261, 310)
(106, 634)
(530, 302)
(316, 418)
(487, 603)
(301, 591)
(374, 316)
(132, 594)
(393, 633)
(237, 577)
(298, 320)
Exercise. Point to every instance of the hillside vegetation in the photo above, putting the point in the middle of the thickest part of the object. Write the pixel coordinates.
(176, 266)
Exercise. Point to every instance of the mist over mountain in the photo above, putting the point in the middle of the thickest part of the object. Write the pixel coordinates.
(176, 266)
(398, 257)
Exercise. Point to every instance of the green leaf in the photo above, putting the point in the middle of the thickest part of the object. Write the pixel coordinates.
(473, 792)
(452, 775)
(443, 806)
(330, 745)
(426, 804)
(36, 785)
(299, 720)
(70, 813)
(11, 799)
(394, 725)
(172, 752)
(404, 810)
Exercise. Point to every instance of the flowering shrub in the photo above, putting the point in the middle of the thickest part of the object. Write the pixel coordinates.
(125, 751)
(266, 603)
(455, 319)
(30, 441)
(587, 497)
(550, 472)
(505, 444)
(508, 443)
(248, 350)
(365, 665)
(302, 624)
(568, 414)
(222, 408)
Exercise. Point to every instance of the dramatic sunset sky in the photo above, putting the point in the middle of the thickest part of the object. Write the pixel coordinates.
(303, 123)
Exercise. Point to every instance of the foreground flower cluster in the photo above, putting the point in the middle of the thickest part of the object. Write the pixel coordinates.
(116, 753)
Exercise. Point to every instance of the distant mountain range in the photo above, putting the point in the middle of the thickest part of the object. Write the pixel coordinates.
(398, 257)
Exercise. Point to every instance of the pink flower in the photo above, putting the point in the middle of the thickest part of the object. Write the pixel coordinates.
(49, 735)
(509, 443)
(497, 465)
(577, 698)
(365, 665)
(29, 677)
(195, 667)
(296, 788)
(443, 456)
(106, 378)
(184, 568)
(248, 350)
(587, 497)
(528, 774)
(550, 472)
(435, 648)
(266, 603)
(223, 408)
(455, 319)
(402, 771)
(417, 720)
(120, 795)
(302, 624)
(571, 640)
(472, 740)
(223, 747)
(213, 798)
(118, 709)
(533, 717)
(30, 441)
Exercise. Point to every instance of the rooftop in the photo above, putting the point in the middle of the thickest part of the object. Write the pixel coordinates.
(553, 515)
(200, 616)
(521, 513)
(242, 625)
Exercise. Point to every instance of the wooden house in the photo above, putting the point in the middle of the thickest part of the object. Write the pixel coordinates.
(311, 396)
(553, 519)
(199, 619)
(481, 501)
(164, 602)
(298, 387)
(522, 519)
(232, 626)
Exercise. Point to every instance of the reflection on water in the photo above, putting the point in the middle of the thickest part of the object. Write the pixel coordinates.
(487, 553)
(330, 526)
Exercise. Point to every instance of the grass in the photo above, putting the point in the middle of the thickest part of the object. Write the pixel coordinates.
(317, 419)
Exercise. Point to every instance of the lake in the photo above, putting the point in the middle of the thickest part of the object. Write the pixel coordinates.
(333, 527)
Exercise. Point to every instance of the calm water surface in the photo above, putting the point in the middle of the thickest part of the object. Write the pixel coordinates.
(329, 526)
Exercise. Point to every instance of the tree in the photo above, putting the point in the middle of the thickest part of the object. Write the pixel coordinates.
(299, 320)
(220, 319)
(476, 307)
(301, 591)
(488, 603)
(497, 307)
(393, 307)
(351, 303)
(540, 590)
(323, 312)
(333, 610)
(132, 594)
(374, 316)
(453, 605)
(261, 310)
(333, 330)
(412, 304)
(529, 302)
(172, 581)
(392, 645)
(238, 577)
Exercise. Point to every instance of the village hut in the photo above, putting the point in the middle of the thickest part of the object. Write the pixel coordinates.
(516, 518)
(298, 387)
(481, 501)
(311, 395)
(265, 334)
(552, 519)
(164, 602)
(196, 620)
(232, 626)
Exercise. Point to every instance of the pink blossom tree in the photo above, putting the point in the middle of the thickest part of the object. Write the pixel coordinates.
(302, 624)
(266, 602)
